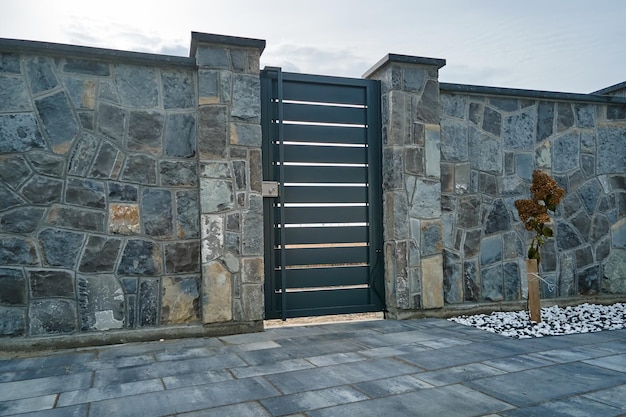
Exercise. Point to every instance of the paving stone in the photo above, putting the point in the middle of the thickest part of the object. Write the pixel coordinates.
(616, 362)
(312, 400)
(199, 378)
(67, 398)
(26, 405)
(43, 386)
(247, 409)
(392, 386)
(571, 407)
(271, 368)
(612, 396)
(518, 363)
(458, 374)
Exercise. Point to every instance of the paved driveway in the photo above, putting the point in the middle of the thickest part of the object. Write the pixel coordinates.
(428, 367)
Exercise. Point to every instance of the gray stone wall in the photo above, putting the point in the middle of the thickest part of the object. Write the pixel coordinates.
(491, 141)
(129, 187)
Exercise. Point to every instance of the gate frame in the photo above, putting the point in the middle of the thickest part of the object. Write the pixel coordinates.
(274, 76)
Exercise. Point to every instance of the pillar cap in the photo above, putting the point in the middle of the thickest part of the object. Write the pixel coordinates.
(405, 59)
(210, 38)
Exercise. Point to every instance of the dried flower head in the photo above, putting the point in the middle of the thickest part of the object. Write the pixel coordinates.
(546, 195)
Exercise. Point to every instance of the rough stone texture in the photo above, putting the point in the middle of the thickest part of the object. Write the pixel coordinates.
(12, 321)
(51, 283)
(52, 317)
(149, 301)
(145, 131)
(137, 86)
(100, 254)
(14, 94)
(614, 279)
(140, 257)
(14, 170)
(181, 300)
(13, 286)
(180, 135)
(124, 219)
(101, 301)
(216, 293)
(182, 257)
(432, 282)
(60, 248)
(21, 220)
(58, 121)
(157, 213)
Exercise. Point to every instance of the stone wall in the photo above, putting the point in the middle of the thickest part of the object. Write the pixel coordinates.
(107, 159)
(491, 141)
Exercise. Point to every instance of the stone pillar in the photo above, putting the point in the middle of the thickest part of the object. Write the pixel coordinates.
(411, 182)
(229, 148)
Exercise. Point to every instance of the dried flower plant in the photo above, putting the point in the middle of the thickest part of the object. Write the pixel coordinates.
(546, 195)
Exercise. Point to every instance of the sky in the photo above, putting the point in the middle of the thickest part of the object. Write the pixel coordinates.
(552, 45)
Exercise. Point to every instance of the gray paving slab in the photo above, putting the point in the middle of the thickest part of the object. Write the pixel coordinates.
(458, 374)
(518, 363)
(573, 354)
(569, 407)
(391, 386)
(72, 411)
(615, 362)
(615, 396)
(272, 368)
(110, 391)
(312, 400)
(198, 378)
(248, 409)
(43, 386)
(25, 405)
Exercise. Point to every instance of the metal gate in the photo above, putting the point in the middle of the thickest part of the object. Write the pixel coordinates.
(323, 205)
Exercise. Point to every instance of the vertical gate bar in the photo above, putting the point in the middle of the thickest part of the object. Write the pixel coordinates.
(281, 198)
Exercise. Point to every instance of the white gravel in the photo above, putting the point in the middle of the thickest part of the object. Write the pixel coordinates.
(584, 318)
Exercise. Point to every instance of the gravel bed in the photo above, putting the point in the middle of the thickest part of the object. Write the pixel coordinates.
(584, 318)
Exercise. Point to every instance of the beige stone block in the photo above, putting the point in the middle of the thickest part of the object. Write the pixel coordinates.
(124, 219)
(181, 300)
(208, 100)
(432, 282)
(217, 300)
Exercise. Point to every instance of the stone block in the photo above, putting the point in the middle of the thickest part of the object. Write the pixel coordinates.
(46, 163)
(582, 222)
(43, 190)
(10, 63)
(252, 302)
(565, 153)
(453, 105)
(187, 215)
(614, 277)
(148, 302)
(179, 91)
(589, 280)
(245, 134)
(239, 171)
(21, 220)
(246, 98)
(40, 74)
(392, 166)
(512, 284)
(256, 171)
(83, 154)
(82, 92)
(108, 162)
(452, 278)
(565, 116)
(215, 169)
(428, 107)
(462, 178)
(52, 317)
(140, 257)
(108, 91)
(471, 244)
(396, 225)
(424, 198)
(432, 151)
(402, 290)
(468, 214)
(496, 218)
(101, 302)
(471, 281)
(584, 257)
(618, 234)
(12, 321)
(111, 120)
(252, 270)
(19, 132)
(179, 173)
(491, 250)
(485, 151)
(85, 193)
(399, 118)
(585, 115)
(431, 237)
(100, 254)
(213, 132)
(140, 169)
(76, 218)
(60, 247)
(14, 170)
(182, 257)
(492, 283)
(13, 284)
(86, 67)
(58, 121)
(492, 121)
(14, 95)
(212, 57)
(8, 198)
(567, 274)
(432, 282)
(180, 300)
(216, 195)
(145, 131)
(137, 86)
(566, 236)
(208, 87)
(124, 219)
(611, 152)
(414, 160)
(216, 293)
(454, 144)
(252, 227)
(615, 112)
(122, 192)
(51, 283)
(212, 229)
(180, 135)
(545, 120)
(513, 247)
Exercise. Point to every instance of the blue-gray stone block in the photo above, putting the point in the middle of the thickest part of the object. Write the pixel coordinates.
(589, 280)
(468, 214)
(485, 151)
(471, 281)
(497, 218)
(212, 132)
(86, 67)
(453, 105)
(122, 192)
(137, 86)
(452, 278)
(428, 106)
(492, 283)
(82, 155)
(101, 302)
(524, 165)
(431, 238)
(85, 193)
(10, 63)
(187, 215)
(40, 74)
(471, 245)
(19, 132)
(14, 96)
(148, 300)
(145, 131)
(106, 162)
(566, 236)
(60, 247)
(512, 288)
(156, 212)
(14, 170)
(454, 142)
(140, 257)
(140, 169)
(17, 251)
(51, 283)
(50, 317)
(518, 132)
(565, 117)
(505, 104)
(179, 91)
(246, 99)
(582, 222)
(111, 120)
(8, 198)
(46, 163)
(43, 190)
(585, 115)
(252, 227)
(590, 193)
(566, 153)
(492, 121)
(12, 321)
(611, 156)
(182, 257)
(13, 286)
(180, 135)
(21, 220)
(58, 121)
(491, 250)
(545, 120)
(179, 173)
(100, 254)
(76, 218)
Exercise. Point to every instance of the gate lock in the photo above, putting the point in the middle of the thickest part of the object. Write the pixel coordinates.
(269, 188)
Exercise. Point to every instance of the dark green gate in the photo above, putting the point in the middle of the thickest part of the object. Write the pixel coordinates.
(323, 221)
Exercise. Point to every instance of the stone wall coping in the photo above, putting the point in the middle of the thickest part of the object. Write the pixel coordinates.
(224, 40)
(535, 94)
(101, 54)
(612, 88)
(404, 59)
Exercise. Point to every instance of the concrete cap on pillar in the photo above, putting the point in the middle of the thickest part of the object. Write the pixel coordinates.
(404, 59)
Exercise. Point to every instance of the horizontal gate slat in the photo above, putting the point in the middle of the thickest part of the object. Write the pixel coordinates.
(325, 174)
(328, 154)
(326, 277)
(324, 256)
(325, 194)
(299, 215)
(326, 298)
(324, 134)
(323, 93)
(317, 235)
(324, 114)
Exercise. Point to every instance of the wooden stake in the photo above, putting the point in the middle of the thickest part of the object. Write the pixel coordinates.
(534, 294)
